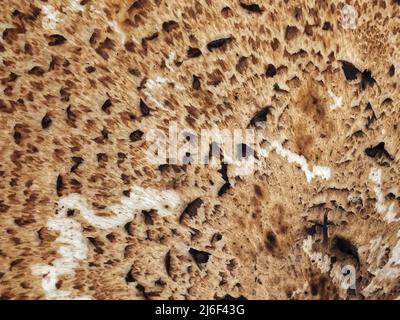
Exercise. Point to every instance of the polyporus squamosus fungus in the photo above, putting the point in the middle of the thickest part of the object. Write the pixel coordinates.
(86, 84)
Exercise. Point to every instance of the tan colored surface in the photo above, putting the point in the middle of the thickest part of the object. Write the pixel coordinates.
(113, 50)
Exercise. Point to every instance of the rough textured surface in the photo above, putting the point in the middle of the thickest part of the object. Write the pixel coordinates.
(83, 214)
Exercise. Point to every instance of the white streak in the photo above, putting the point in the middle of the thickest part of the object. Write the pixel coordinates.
(73, 249)
(349, 17)
(157, 103)
(50, 18)
(156, 83)
(375, 175)
(323, 262)
(153, 84)
(317, 171)
(75, 6)
(337, 101)
(117, 28)
(389, 272)
(74, 245)
(139, 199)
(170, 61)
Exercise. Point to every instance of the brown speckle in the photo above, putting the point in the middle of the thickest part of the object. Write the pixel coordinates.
(46, 121)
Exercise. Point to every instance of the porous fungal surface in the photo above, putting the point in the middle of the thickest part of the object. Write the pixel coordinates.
(84, 214)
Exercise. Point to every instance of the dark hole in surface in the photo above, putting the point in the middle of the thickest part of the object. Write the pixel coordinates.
(193, 52)
(252, 7)
(270, 71)
(215, 44)
(350, 71)
(199, 256)
(56, 40)
(136, 135)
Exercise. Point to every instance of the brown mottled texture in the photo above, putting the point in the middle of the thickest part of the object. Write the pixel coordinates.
(77, 102)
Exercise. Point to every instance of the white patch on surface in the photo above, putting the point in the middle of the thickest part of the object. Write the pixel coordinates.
(263, 152)
(337, 101)
(389, 272)
(349, 17)
(152, 84)
(140, 199)
(389, 211)
(74, 245)
(335, 271)
(354, 199)
(323, 262)
(157, 103)
(75, 6)
(300, 291)
(281, 86)
(50, 19)
(170, 61)
(117, 28)
(73, 249)
(317, 171)
(244, 166)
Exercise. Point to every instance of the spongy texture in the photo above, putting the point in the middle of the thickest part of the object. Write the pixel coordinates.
(84, 214)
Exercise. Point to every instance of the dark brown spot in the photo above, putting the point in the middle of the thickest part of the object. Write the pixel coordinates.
(102, 157)
(90, 69)
(193, 52)
(378, 151)
(226, 186)
(134, 71)
(392, 70)
(24, 221)
(129, 277)
(129, 228)
(148, 216)
(216, 237)
(191, 209)
(199, 256)
(46, 121)
(170, 25)
(196, 82)
(291, 33)
(167, 262)
(144, 109)
(97, 244)
(130, 46)
(3, 207)
(350, 71)
(136, 135)
(56, 40)
(253, 7)
(70, 114)
(17, 137)
(258, 191)
(218, 43)
(77, 162)
(59, 185)
(366, 79)
(242, 64)
(271, 241)
(260, 116)
(346, 247)
(226, 12)
(270, 71)
(36, 71)
(106, 105)
(327, 26)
